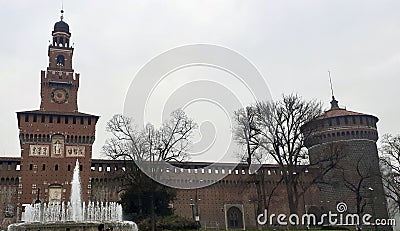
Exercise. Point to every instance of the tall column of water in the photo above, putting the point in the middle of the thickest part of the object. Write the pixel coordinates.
(76, 200)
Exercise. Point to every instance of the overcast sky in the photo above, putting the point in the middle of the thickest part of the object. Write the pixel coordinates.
(292, 43)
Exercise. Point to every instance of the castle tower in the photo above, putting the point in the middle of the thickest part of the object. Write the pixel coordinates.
(53, 137)
(351, 138)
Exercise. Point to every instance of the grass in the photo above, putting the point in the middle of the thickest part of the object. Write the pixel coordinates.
(364, 229)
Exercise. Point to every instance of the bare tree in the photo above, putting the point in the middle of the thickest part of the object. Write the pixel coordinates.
(280, 125)
(247, 134)
(273, 130)
(390, 160)
(170, 142)
(150, 145)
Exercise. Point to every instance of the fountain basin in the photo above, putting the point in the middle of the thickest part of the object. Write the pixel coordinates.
(73, 226)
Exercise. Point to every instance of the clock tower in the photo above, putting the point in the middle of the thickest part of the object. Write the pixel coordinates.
(59, 86)
(55, 136)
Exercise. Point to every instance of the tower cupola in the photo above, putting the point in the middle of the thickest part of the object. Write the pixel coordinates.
(61, 34)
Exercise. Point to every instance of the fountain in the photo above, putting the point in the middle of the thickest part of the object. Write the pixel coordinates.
(74, 215)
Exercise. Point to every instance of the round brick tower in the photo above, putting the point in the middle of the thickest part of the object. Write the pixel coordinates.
(348, 139)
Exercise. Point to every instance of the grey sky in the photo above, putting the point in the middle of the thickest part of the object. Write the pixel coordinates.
(292, 43)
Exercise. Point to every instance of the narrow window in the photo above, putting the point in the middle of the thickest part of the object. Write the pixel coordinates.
(44, 167)
(69, 167)
(346, 121)
(51, 119)
(361, 120)
(89, 121)
(26, 118)
(61, 40)
(74, 120)
(60, 60)
(58, 119)
(30, 166)
(66, 120)
(43, 118)
(81, 120)
(56, 167)
(337, 121)
(34, 118)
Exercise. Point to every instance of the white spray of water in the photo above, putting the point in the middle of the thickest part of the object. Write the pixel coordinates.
(75, 209)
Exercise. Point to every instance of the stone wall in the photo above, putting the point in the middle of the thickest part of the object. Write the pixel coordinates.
(9, 182)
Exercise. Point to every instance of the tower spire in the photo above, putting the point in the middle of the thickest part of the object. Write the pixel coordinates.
(334, 102)
(62, 11)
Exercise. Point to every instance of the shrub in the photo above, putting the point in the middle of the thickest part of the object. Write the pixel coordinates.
(175, 222)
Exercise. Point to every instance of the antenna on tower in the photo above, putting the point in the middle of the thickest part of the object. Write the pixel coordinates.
(330, 81)
(334, 102)
(62, 10)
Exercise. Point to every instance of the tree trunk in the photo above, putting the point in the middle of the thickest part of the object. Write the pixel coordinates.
(259, 196)
(153, 214)
(292, 195)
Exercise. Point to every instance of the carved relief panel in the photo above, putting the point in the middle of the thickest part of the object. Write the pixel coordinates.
(39, 150)
(57, 146)
(55, 194)
(75, 151)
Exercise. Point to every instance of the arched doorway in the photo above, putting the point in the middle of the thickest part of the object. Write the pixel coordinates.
(234, 218)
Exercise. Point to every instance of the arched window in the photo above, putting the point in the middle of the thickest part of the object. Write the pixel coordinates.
(235, 218)
(61, 41)
(60, 60)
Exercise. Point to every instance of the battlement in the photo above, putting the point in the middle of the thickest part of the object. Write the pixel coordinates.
(9, 169)
(202, 173)
(342, 126)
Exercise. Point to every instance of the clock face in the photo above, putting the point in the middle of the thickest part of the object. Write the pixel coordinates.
(59, 95)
